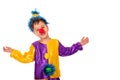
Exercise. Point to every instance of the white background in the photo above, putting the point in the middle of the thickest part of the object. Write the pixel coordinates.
(69, 20)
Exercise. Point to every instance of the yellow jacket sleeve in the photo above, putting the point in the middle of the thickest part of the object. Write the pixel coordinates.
(24, 58)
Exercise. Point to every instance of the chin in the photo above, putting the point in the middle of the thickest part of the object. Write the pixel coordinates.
(43, 36)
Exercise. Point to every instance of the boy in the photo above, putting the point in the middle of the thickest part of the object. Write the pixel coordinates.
(46, 51)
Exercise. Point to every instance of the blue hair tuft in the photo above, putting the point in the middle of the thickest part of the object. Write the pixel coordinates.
(35, 16)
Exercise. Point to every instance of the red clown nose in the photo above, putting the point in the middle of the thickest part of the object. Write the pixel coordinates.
(41, 31)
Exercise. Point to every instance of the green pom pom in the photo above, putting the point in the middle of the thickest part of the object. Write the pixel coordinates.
(49, 69)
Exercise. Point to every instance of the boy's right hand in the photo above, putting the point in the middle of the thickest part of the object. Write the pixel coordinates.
(7, 49)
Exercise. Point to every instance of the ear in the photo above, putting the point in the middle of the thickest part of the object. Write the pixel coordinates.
(33, 31)
(47, 27)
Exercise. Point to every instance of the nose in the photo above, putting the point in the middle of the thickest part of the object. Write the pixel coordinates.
(41, 31)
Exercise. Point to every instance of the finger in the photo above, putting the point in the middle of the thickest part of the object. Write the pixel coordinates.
(87, 38)
(3, 48)
(7, 47)
(82, 38)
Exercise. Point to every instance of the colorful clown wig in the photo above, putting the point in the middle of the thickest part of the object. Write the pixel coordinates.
(35, 19)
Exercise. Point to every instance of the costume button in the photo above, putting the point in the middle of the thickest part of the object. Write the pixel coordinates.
(46, 56)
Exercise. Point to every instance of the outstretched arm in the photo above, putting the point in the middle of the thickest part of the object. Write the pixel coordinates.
(16, 54)
(66, 51)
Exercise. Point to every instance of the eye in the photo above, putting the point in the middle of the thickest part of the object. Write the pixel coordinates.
(42, 26)
(37, 29)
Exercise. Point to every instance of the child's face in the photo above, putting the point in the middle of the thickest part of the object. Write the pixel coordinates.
(37, 32)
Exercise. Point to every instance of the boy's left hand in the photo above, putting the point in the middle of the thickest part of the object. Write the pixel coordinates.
(84, 41)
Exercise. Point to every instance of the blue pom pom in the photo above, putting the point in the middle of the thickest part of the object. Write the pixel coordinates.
(49, 69)
(35, 12)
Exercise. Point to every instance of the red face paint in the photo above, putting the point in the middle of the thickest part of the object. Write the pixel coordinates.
(41, 31)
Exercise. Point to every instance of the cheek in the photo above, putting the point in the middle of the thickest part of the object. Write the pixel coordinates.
(36, 33)
(46, 29)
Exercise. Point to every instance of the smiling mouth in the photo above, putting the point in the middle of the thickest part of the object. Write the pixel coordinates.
(42, 33)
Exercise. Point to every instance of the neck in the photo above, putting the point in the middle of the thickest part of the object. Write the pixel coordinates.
(45, 40)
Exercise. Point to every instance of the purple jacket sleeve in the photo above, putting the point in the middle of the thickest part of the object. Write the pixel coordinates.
(66, 51)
